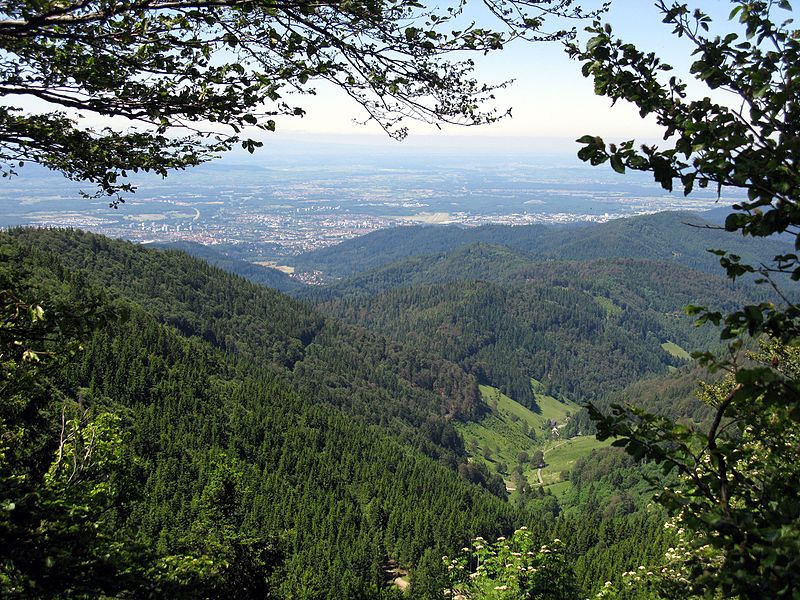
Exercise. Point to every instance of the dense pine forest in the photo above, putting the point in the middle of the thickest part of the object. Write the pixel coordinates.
(228, 441)
(583, 329)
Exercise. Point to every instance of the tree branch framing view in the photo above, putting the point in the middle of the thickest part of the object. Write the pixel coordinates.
(189, 77)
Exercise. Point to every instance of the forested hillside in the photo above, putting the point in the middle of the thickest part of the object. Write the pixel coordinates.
(673, 395)
(241, 444)
(582, 328)
(389, 245)
(229, 386)
(256, 273)
(338, 363)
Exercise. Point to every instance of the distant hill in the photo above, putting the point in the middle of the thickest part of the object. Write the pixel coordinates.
(582, 328)
(680, 237)
(389, 245)
(717, 215)
(471, 262)
(256, 273)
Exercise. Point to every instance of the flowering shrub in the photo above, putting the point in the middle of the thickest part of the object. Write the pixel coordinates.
(512, 568)
(675, 576)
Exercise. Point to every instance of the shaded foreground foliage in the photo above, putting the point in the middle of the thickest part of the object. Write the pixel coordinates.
(740, 486)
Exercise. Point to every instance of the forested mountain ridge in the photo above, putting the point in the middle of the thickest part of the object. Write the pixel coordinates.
(263, 326)
(582, 328)
(389, 245)
(252, 272)
(480, 261)
(681, 237)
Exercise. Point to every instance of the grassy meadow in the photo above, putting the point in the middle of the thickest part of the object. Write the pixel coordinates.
(509, 431)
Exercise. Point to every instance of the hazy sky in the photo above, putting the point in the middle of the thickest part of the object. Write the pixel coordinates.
(549, 98)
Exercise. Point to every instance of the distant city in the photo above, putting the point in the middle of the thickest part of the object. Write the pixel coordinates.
(267, 214)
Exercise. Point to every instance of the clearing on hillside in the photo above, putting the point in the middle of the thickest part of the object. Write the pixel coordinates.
(510, 431)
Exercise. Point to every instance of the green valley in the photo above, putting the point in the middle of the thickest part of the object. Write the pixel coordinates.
(510, 436)
(321, 448)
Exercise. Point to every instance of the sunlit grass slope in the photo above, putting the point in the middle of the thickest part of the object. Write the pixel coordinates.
(674, 350)
(562, 456)
(510, 429)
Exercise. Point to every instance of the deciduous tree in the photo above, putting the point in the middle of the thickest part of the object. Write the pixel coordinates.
(186, 77)
(739, 491)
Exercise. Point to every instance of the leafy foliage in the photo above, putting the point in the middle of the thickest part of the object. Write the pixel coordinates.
(62, 466)
(752, 144)
(741, 473)
(210, 69)
(516, 567)
(739, 485)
